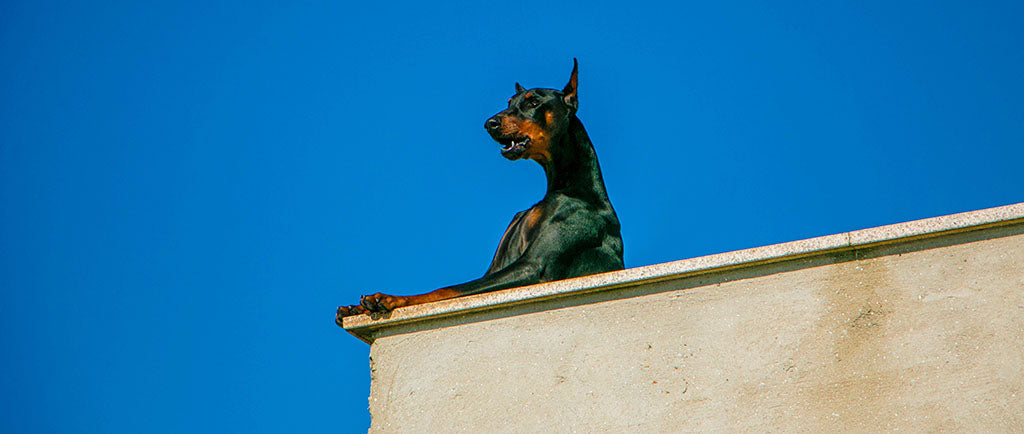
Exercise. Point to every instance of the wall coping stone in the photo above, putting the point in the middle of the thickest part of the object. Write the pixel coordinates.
(364, 327)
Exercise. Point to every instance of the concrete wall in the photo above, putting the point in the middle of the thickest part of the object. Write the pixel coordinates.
(916, 327)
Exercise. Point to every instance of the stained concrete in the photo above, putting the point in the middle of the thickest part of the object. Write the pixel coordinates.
(912, 334)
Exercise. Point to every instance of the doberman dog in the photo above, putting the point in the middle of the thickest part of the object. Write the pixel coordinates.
(572, 232)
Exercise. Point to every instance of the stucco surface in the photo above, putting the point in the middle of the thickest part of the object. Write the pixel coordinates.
(917, 335)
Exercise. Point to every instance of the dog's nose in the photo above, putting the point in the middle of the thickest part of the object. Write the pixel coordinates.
(492, 124)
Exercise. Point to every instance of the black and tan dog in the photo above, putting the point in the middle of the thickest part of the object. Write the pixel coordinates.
(572, 232)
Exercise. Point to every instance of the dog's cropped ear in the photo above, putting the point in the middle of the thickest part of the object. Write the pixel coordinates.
(519, 89)
(569, 93)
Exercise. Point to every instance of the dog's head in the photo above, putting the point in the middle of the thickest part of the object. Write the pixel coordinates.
(533, 119)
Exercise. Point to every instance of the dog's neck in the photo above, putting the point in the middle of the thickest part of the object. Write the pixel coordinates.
(573, 167)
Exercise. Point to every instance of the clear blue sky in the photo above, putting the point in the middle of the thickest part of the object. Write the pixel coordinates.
(187, 191)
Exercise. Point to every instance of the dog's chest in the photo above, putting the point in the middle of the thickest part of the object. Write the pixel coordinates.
(517, 237)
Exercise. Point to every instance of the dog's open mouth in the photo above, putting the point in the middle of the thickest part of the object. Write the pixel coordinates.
(513, 147)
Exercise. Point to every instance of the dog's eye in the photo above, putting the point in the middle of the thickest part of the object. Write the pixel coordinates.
(532, 103)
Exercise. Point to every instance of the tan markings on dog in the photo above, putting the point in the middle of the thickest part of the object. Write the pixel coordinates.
(527, 94)
(436, 295)
(533, 217)
(549, 117)
(510, 125)
(538, 149)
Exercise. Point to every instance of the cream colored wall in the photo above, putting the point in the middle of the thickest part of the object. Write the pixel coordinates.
(918, 335)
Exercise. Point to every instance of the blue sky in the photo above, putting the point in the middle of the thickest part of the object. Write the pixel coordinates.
(187, 190)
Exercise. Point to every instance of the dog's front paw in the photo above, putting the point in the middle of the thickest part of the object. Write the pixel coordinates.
(382, 303)
(344, 311)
